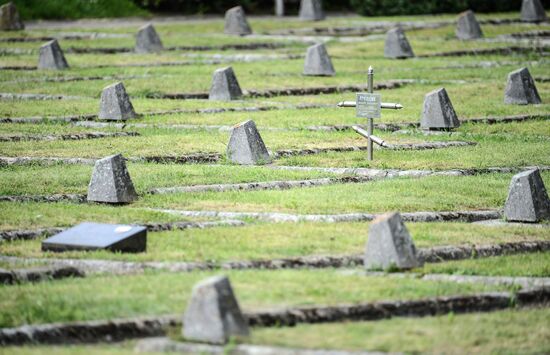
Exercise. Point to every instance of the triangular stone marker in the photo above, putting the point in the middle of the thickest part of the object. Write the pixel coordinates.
(9, 18)
(390, 245)
(318, 61)
(438, 111)
(311, 10)
(213, 314)
(521, 89)
(527, 198)
(225, 86)
(111, 182)
(51, 56)
(246, 146)
(468, 27)
(532, 11)
(115, 103)
(97, 236)
(397, 45)
(148, 40)
(236, 23)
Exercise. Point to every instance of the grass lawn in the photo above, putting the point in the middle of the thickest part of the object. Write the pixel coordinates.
(475, 84)
(523, 331)
(103, 297)
(536, 265)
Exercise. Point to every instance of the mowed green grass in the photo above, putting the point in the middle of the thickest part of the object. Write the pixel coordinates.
(154, 293)
(508, 331)
(287, 240)
(447, 193)
(475, 85)
(524, 331)
(534, 265)
(434, 193)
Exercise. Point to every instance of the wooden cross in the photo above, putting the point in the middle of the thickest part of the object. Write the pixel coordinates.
(369, 105)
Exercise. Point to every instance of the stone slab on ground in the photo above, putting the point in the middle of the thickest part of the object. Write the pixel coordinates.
(96, 236)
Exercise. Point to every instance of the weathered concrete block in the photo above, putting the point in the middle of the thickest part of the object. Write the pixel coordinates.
(97, 236)
(148, 40)
(111, 182)
(397, 45)
(246, 146)
(51, 56)
(318, 61)
(438, 111)
(527, 198)
(225, 86)
(311, 10)
(115, 103)
(236, 23)
(521, 89)
(532, 11)
(9, 18)
(213, 314)
(390, 245)
(468, 27)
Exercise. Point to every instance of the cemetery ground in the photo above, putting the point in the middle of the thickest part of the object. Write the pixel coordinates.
(282, 247)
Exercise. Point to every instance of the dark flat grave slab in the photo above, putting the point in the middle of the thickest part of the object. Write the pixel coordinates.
(96, 236)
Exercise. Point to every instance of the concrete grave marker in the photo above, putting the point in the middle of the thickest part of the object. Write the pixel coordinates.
(213, 314)
(246, 146)
(390, 245)
(148, 40)
(438, 111)
(115, 103)
(225, 86)
(532, 11)
(9, 18)
(111, 182)
(51, 56)
(311, 10)
(468, 27)
(397, 45)
(527, 198)
(521, 89)
(96, 236)
(318, 61)
(236, 23)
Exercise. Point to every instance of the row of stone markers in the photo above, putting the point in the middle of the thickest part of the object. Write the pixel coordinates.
(438, 111)
(213, 314)
(111, 183)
